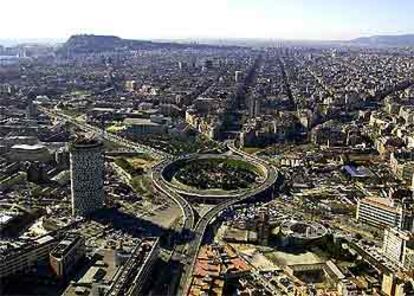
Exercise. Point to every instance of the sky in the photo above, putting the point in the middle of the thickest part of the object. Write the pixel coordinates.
(164, 19)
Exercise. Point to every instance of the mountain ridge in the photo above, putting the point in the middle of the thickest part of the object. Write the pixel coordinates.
(385, 40)
(90, 43)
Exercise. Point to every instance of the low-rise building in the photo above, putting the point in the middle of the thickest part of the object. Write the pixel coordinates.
(214, 265)
(24, 258)
(131, 278)
(395, 286)
(24, 152)
(137, 127)
(66, 254)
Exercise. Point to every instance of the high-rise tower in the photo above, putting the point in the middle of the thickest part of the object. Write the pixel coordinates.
(30, 109)
(87, 176)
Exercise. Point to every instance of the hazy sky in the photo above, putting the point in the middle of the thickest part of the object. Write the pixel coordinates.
(288, 19)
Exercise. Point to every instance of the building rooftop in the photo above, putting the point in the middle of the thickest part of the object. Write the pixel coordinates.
(4, 218)
(213, 263)
(140, 121)
(45, 239)
(28, 147)
(384, 203)
(86, 142)
(357, 172)
(65, 245)
(133, 267)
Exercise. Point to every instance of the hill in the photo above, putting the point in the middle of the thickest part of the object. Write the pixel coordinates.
(86, 44)
(385, 40)
(79, 44)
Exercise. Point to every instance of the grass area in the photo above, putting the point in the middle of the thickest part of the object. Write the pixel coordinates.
(141, 163)
(142, 185)
(128, 167)
(136, 165)
(251, 150)
(115, 128)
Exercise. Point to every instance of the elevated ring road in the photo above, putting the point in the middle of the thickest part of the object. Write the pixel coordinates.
(189, 224)
(202, 224)
(161, 184)
(206, 195)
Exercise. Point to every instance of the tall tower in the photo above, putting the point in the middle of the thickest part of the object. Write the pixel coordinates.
(237, 76)
(30, 109)
(87, 176)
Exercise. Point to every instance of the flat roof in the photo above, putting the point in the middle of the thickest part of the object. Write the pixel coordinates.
(86, 143)
(65, 245)
(45, 239)
(4, 218)
(28, 147)
(357, 172)
(140, 121)
(93, 273)
(384, 203)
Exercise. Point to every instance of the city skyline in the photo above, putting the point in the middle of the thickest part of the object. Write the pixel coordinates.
(221, 147)
(296, 20)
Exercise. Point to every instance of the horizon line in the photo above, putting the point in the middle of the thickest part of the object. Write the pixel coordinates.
(16, 40)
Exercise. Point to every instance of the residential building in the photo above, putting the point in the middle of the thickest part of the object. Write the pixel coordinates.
(382, 212)
(398, 246)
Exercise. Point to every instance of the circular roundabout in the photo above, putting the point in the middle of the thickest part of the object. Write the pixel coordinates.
(223, 180)
(211, 178)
